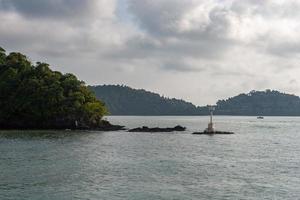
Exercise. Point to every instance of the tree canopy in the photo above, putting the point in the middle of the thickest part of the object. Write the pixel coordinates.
(269, 103)
(34, 96)
(123, 100)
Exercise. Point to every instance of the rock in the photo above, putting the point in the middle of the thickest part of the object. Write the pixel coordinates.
(213, 133)
(157, 129)
(111, 128)
(104, 126)
(179, 128)
(107, 126)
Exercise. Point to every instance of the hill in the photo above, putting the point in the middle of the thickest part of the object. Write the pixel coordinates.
(267, 103)
(123, 100)
(32, 96)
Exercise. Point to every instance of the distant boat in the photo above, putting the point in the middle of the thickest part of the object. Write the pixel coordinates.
(260, 117)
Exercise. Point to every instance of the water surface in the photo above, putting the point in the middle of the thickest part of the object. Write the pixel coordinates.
(261, 161)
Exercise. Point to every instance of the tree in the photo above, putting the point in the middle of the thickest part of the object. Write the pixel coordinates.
(34, 96)
(2, 56)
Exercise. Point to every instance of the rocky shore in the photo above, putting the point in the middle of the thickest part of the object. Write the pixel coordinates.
(213, 133)
(157, 129)
(107, 126)
(104, 126)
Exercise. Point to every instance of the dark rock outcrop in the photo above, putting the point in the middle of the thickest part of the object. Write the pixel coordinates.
(157, 129)
(213, 133)
(104, 126)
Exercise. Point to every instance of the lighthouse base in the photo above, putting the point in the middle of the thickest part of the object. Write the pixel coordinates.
(210, 128)
(213, 133)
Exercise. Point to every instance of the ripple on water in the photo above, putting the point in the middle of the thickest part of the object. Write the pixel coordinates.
(261, 161)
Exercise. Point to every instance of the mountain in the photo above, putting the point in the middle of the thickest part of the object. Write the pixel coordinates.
(123, 100)
(268, 103)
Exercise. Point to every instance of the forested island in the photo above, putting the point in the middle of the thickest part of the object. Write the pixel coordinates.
(32, 96)
(266, 103)
(123, 100)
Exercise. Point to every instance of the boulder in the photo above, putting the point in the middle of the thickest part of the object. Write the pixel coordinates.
(157, 129)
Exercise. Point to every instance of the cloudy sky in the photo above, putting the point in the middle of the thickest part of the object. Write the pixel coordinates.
(197, 50)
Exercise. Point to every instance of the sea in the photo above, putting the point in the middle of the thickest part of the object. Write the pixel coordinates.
(260, 161)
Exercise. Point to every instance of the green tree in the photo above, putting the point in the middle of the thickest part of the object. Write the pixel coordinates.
(34, 96)
(2, 56)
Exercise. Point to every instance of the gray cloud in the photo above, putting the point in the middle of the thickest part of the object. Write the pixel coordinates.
(181, 66)
(175, 47)
(159, 18)
(48, 8)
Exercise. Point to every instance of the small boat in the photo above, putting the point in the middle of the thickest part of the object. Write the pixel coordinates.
(260, 117)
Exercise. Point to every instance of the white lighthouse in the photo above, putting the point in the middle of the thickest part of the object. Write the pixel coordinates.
(210, 128)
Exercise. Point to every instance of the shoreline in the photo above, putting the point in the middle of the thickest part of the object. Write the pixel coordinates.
(106, 126)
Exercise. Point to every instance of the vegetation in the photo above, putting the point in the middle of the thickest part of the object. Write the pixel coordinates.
(268, 103)
(123, 100)
(34, 96)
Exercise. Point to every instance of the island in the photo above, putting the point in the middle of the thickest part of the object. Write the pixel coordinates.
(124, 100)
(32, 96)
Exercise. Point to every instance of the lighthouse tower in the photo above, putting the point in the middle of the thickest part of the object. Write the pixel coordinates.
(210, 128)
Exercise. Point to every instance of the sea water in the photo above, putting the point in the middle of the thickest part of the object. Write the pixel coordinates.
(260, 161)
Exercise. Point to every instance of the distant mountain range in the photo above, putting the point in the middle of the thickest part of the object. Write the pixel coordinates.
(267, 103)
(123, 100)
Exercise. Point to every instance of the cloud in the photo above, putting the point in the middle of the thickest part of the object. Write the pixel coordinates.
(200, 50)
(56, 9)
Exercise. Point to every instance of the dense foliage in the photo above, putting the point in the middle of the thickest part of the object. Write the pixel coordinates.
(123, 100)
(269, 103)
(34, 96)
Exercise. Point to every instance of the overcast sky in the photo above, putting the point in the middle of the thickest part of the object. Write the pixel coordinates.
(197, 50)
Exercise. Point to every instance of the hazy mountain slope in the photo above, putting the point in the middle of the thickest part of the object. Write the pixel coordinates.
(123, 100)
(267, 102)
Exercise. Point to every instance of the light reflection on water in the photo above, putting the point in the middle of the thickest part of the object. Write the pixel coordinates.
(261, 161)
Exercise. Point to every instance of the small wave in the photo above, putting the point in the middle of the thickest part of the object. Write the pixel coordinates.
(265, 126)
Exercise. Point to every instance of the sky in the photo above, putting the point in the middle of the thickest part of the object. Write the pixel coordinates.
(196, 50)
